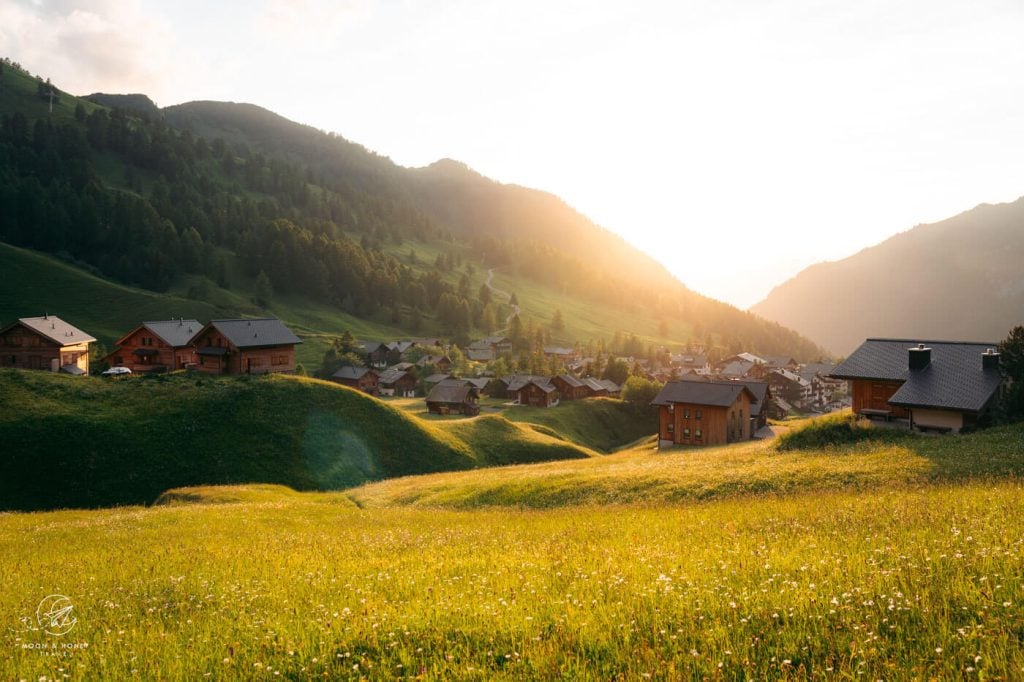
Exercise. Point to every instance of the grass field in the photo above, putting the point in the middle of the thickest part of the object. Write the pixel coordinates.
(87, 442)
(890, 584)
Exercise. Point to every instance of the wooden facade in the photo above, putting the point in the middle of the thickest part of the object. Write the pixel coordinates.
(570, 388)
(144, 349)
(536, 395)
(217, 353)
(361, 379)
(871, 398)
(45, 343)
(693, 424)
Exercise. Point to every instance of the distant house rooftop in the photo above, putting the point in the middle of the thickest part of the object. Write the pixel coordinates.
(255, 332)
(710, 393)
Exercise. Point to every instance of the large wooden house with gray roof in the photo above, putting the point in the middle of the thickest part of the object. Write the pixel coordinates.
(245, 346)
(159, 346)
(936, 385)
(703, 413)
(47, 343)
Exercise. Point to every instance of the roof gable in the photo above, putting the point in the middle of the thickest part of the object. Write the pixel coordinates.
(175, 333)
(953, 379)
(54, 329)
(710, 393)
(254, 332)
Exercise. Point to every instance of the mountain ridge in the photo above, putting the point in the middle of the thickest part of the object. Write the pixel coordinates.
(956, 278)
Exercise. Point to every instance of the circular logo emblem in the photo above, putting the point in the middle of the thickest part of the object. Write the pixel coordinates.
(54, 615)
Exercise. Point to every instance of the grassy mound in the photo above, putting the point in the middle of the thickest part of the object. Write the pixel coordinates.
(602, 424)
(91, 442)
(643, 475)
(836, 430)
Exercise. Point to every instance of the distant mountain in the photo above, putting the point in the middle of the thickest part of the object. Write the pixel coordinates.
(959, 279)
(233, 204)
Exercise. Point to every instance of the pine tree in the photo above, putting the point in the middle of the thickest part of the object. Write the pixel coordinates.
(264, 290)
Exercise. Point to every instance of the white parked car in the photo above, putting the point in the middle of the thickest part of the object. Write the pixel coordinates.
(116, 372)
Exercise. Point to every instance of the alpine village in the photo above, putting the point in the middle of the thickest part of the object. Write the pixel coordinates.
(275, 406)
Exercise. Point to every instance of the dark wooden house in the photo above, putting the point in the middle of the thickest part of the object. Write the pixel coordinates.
(360, 378)
(703, 413)
(570, 387)
(760, 409)
(537, 393)
(397, 382)
(937, 385)
(159, 346)
(46, 343)
(245, 346)
(454, 397)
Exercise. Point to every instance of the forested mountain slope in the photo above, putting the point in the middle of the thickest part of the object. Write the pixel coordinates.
(959, 279)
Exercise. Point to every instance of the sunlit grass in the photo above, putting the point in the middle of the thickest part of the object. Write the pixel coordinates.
(890, 584)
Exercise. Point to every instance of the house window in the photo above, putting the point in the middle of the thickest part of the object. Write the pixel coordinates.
(698, 415)
(686, 433)
(686, 413)
(671, 426)
(697, 434)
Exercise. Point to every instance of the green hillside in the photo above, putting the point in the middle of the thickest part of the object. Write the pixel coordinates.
(204, 197)
(603, 424)
(644, 475)
(92, 442)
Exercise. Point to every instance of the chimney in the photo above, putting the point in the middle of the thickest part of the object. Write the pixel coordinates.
(920, 357)
(990, 359)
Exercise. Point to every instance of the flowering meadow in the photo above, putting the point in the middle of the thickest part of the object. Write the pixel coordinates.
(920, 582)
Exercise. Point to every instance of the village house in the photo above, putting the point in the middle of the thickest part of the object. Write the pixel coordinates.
(453, 397)
(933, 385)
(376, 354)
(570, 387)
(782, 362)
(157, 346)
(826, 392)
(397, 382)
(46, 343)
(761, 407)
(362, 379)
(435, 379)
(566, 355)
(245, 346)
(703, 413)
(442, 362)
(790, 386)
(537, 392)
(691, 362)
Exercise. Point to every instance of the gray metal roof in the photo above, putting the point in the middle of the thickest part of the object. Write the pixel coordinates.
(571, 380)
(390, 376)
(446, 392)
(55, 329)
(711, 393)
(175, 333)
(255, 332)
(954, 379)
(352, 373)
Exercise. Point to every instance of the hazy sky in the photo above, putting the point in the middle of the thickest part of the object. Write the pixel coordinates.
(737, 142)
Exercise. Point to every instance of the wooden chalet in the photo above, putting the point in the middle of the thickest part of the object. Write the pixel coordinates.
(570, 387)
(158, 346)
(760, 409)
(46, 343)
(360, 378)
(377, 354)
(595, 388)
(397, 382)
(442, 362)
(934, 385)
(454, 397)
(537, 393)
(791, 386)
(245, 346)
(703, 413)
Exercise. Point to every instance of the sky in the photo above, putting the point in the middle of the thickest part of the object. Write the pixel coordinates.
(735, 141)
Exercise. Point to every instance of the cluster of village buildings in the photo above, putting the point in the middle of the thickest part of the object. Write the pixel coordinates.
(933, 385)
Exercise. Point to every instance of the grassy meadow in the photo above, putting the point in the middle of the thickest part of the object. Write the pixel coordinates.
(91, 442)
(919, 583)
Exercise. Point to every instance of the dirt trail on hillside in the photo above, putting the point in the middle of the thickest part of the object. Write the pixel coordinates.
(508, 297)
